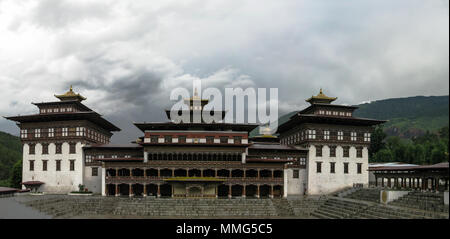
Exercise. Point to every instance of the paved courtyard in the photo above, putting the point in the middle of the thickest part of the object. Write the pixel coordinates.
(10, 208)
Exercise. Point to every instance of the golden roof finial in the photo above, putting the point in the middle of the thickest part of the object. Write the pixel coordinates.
(70, 95)
(321, 98)
(195, 92)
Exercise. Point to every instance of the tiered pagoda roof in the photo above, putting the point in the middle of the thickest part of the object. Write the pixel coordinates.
(82, 112)
(323, 102)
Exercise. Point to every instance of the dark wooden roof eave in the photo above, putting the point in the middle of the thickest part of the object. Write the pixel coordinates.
(320, 119)
(86, 115)
(113, 146)
(281, 147)
(196, 144)
(119, 159)
(187, 126)
(65, 102)
(328, 105)
(255, 160)
(440, 166)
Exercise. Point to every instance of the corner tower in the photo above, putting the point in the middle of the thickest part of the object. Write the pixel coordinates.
(337, 144)
(53, 139)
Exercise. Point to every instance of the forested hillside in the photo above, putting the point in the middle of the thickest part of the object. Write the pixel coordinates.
(408, 117)
(10, 154)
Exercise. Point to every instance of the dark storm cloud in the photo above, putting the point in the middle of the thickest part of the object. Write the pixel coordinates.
(126, 56)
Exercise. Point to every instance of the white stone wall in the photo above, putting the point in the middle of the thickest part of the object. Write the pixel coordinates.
(62, 181)
(294, 186)
(326, 182)
(93, 183)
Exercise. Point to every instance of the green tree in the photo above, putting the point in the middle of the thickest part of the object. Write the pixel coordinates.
(419, 154)
(409, 153)
(16, 176)
(376, 141)
(384, 155)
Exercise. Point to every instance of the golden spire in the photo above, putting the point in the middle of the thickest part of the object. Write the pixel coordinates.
(321, 98)
(195, 98)
(70, 95)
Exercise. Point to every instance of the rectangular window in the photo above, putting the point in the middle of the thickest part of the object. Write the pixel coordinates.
(32, 149)
(345, 168)
(168, 139)
(31, 165)
(319, 150)
(353, 136)
(72, 165)
(302, 161)
(332, 167)
(296, 174)
(37, 133)
(333, 151)
(237, 139)
(88, 158)
(154, 139)
(181, 139)
(366, 137)
(58, 165)
(65, 132)
(58, 148)
(326, 134)
(44, 165)
(223, 139)
(209, 139)
(346, 151)
(319, 167)
(23, 133)
(340, 135)
(72, 148)
(44, 148)
(359, 168)
(311, 134)
(359, 152)
(94, 172)
(80, 131)
(51, 132)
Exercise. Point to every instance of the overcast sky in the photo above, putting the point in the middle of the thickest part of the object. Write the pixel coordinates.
(126, 56)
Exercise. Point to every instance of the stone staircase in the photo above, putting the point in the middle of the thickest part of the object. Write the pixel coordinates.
(283, 207)
(303, 207)
(365, 194)
(80, 206)
(429, 201)
(343, 208)
(388, 212)
(338, 208)
(64, 206)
